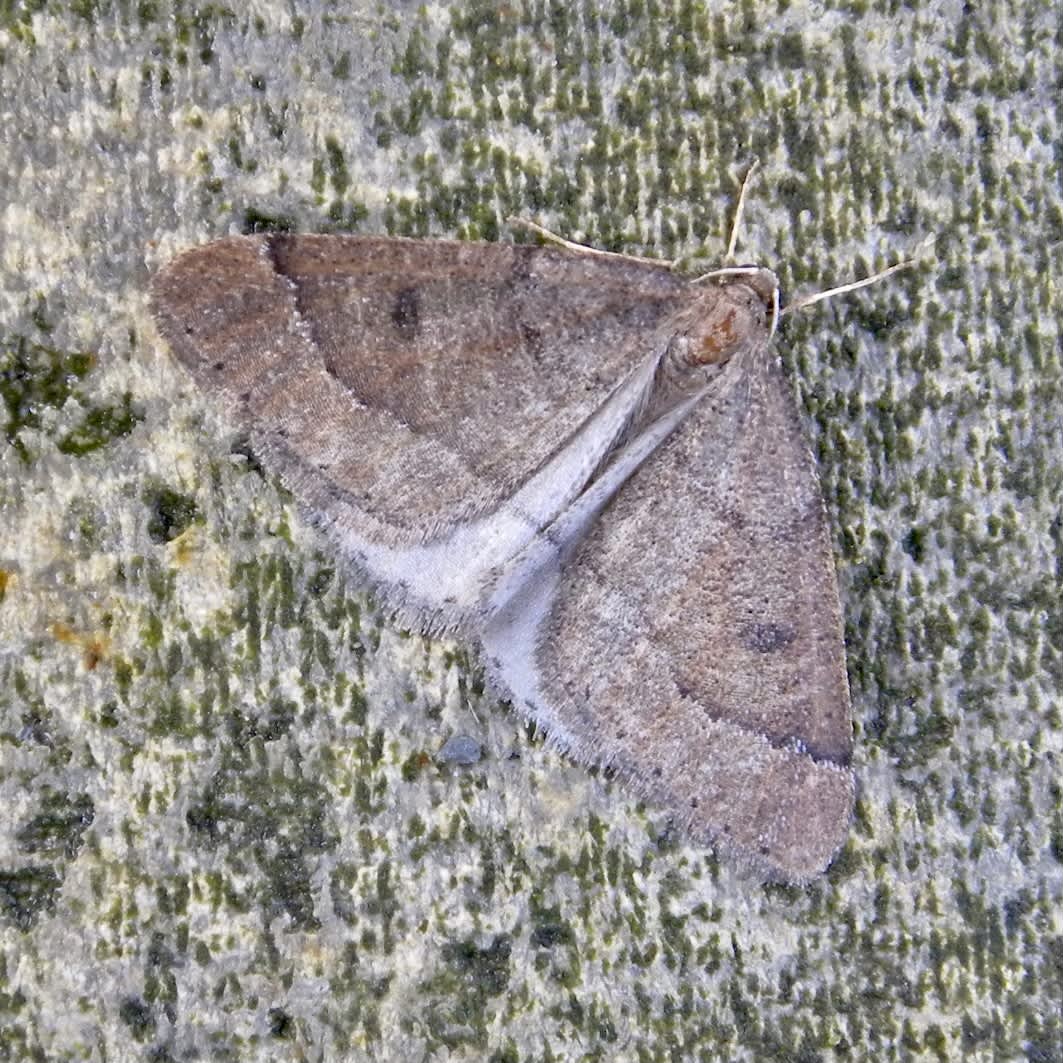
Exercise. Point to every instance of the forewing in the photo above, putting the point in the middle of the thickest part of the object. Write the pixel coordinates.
(695, 641)
(403, 386)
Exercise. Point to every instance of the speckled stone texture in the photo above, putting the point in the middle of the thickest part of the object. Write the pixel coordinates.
(227, 832)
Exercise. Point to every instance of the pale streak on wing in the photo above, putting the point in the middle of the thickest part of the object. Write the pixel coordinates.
(470, 569)
(694, 641)
(408, 391)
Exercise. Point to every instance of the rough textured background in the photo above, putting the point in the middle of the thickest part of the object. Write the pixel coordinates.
(226, 833)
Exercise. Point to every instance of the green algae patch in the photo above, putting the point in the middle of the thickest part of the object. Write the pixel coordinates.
(170, 513)
(263, 221)
(280, 824)
(27, 893)
(33, 378)
(58, 827)
(99, 427)
(468, 977)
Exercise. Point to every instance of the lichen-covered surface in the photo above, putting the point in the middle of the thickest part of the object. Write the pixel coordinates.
(228, 832)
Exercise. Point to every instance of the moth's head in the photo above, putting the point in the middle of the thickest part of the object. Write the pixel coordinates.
(737, 310)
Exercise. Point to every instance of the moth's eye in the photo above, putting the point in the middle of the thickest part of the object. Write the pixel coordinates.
(761, 303)
(764, 285)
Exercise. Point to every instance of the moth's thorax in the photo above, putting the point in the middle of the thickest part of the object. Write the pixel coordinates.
(729, 316)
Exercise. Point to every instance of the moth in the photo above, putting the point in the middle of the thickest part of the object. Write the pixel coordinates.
(585, 463)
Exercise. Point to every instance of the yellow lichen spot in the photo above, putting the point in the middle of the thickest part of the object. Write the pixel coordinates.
(186, 547)
(94, 648)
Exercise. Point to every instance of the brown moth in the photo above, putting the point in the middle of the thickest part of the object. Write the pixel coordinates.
(587, 464)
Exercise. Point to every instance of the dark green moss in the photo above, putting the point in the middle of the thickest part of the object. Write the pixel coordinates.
(485, 971)
(549, 929)
(458, 994)
(58, 828)
(357, 707)
(933, 733)
(99, 427)
(341, 68)
(138, 1015)
(170, 513)
(280, 824)
(414, 764)
(790, 50)
(281, 1024)
(338, 173)
(32, 378)
(260, 221)
(26, 893)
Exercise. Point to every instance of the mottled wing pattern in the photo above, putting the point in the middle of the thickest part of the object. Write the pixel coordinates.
(423, 379)
(700, 621)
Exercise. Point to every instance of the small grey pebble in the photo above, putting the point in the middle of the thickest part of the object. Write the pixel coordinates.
(460, 749)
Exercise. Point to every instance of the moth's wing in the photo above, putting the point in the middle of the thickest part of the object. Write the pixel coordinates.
(405, 386)
(695, 640)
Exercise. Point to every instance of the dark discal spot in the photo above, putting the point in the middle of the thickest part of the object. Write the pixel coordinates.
(406, 313)
(532, 339)
(218, 366)
(768, 638)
